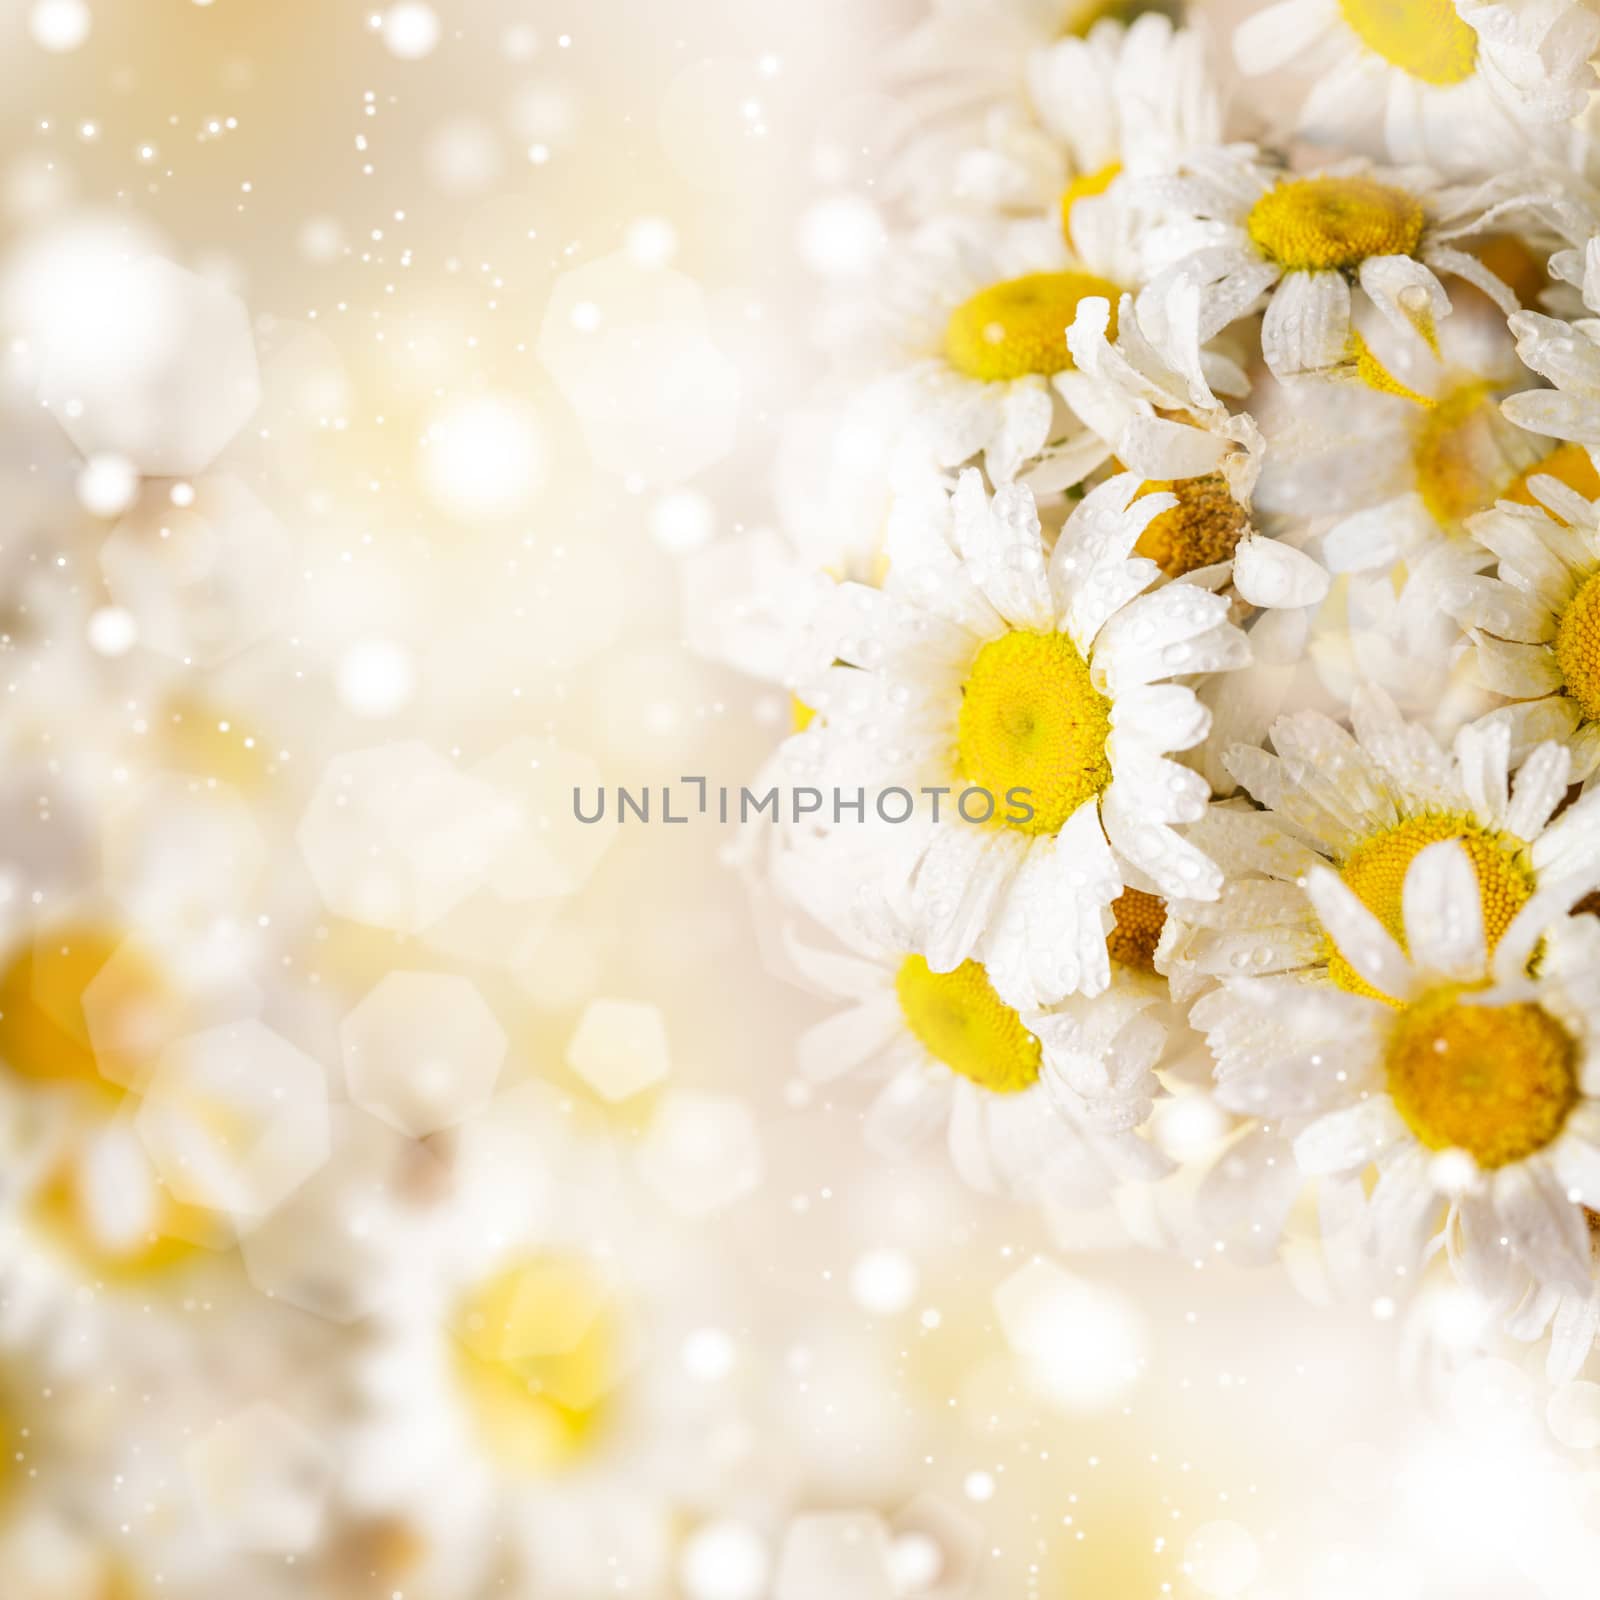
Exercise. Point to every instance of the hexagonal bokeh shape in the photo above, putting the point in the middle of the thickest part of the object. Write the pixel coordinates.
(166, 382)
(132, 1011)
(550, 852)
(395, 837)
(547, 1342)
(261, 1480)
(235, 1119)
(553, 1321)
(204, 580)
(330, 1249)
(619, 1048)
(422, 1051)
(625, 344)
(701, 1153)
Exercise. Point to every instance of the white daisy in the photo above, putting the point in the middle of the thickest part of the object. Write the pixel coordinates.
(1365, 803)
(1567, 353)
(1380, 474)
(84, 1013)
(1316, 244)
(502, 1425)
(1468, 1084)
(963, 69)
(1045, 1105)
(1463, 85)
(750, 597)
(974, 320)
(1120, 100)
(1168, 426)
(1033, 683)
(1401, 458)
(1535, 625)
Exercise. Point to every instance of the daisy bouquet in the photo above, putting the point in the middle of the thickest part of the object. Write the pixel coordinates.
(1219, 617)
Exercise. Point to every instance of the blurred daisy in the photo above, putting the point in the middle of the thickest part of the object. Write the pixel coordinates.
(84, 1011)
(1466, 1083)
(1364, 804)
(1417, 447)
(1379, 474)
(975, 321)
(1459, 84)
(1033, 683)
(1535, 625)
(1120, 100)
(1169, 426)
(1044, 1105)
(1316, 244)
(963, 68)
(506, 1424)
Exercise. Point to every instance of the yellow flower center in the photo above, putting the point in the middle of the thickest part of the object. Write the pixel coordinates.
(536, 1353)
(1140, 917)
(1020, 326)
(1578, 648)
(1568, 463)
(1375, 872)
(1205, 526)
(800, 714)
(959, 1020)
(1495, 1081)
(1425, 38)
(1459, 464)
(1085, 187)
(1334, 224)
(1031, 718)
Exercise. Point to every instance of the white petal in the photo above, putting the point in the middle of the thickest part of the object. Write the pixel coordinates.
(1156, 850)
(1024, 425)
(999, 540)
(1576, 1159)
(1540, 787)
(1361, 939)
(959, 883)
(1483, 756)
(1048, 938)
(1272, 37)
(1572, 1335)
(1403, 1209)
(838, 1043)
(1443, 911)
(909, 1110)
(1156, 448)
(1407, 293)
(1545, 1229)
(1345, 1141)
(1376, 537)
(969, 1139)
(1307, 325)
(1267, 573)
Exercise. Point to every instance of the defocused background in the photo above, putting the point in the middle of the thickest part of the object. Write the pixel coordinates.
(408, 1193)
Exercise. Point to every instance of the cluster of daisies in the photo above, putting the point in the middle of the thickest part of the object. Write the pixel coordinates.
(1212, 460)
